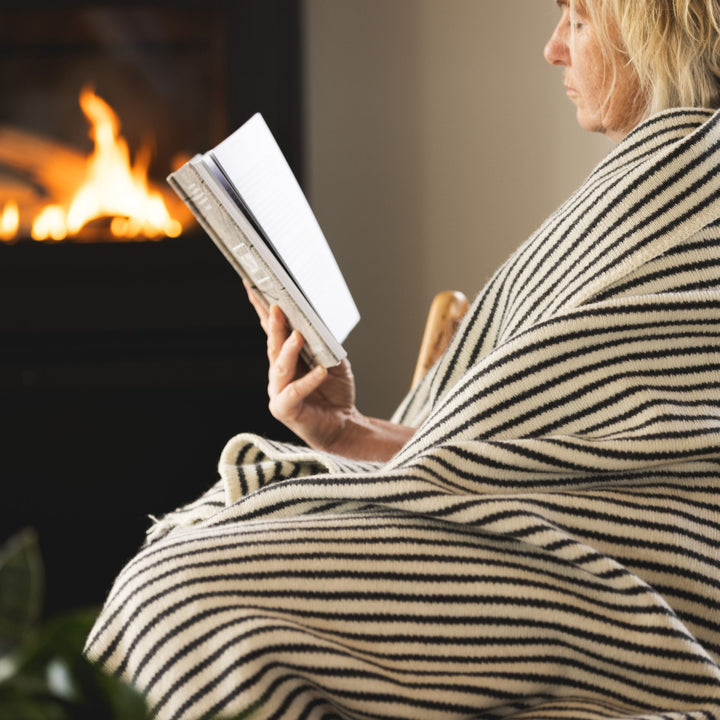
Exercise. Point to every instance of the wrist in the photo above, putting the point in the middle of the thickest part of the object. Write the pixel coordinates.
(369, 438)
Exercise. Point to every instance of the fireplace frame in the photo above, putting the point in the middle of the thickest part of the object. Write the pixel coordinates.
(124, 367)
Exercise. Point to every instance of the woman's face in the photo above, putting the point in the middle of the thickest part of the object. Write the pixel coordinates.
(602, 106)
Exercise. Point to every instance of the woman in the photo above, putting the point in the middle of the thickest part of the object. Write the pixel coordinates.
(536, 533)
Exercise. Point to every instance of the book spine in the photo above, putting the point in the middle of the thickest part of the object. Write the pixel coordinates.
(240, 252)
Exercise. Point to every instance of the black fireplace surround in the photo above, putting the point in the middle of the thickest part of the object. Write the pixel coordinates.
(124, 367)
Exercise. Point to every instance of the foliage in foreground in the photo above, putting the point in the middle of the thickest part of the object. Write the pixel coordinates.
(43, 672)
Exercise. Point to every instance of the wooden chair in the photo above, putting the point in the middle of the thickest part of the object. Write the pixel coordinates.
(446, 312)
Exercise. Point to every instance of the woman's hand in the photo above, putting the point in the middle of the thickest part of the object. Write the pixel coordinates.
(318, 405)
(315, 404)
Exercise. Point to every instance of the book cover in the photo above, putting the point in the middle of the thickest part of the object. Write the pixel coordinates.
(246, 197)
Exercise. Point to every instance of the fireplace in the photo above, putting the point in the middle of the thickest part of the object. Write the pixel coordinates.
(126, 360)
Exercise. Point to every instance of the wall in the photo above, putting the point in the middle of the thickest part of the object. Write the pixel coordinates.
(437, 139)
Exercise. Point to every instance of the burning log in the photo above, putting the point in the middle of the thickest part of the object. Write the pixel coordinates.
(36, 171)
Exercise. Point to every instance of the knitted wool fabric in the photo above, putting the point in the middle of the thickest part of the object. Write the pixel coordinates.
(547, 545)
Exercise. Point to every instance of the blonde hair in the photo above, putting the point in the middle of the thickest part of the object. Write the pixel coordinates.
(673, 46)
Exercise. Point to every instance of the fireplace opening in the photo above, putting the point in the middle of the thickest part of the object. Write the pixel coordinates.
(97, 101)
(128, 351)
(50, 192)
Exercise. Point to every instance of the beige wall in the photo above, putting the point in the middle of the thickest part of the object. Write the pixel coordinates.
(437, 140)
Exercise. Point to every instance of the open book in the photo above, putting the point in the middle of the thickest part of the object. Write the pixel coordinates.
(247, 199)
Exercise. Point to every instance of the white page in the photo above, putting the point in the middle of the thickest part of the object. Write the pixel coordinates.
(254, 163)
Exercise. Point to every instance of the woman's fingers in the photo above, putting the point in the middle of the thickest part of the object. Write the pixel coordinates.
(286, 390)
(283, 362)
(260, 309)
(287, 405)
(277, 333)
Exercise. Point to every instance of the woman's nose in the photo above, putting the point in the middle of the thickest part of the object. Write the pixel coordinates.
(556, 48)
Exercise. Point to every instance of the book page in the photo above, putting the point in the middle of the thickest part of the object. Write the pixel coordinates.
(255, 165)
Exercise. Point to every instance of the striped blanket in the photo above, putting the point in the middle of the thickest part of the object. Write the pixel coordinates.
(547, 545)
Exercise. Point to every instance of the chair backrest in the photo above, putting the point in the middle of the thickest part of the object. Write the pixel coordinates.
(446, 311)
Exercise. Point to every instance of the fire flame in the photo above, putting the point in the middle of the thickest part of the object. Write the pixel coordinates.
(113, 187)
(9, 220)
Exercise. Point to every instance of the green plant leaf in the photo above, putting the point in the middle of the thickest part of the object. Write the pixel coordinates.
(43, 672)
(21, 592)
(55, 669)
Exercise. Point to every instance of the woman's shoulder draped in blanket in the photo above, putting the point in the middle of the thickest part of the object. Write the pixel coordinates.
(591, 356)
